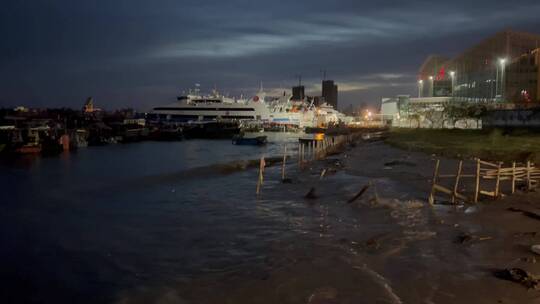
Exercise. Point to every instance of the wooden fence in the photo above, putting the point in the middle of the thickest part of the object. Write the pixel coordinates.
(309, 150)
(526, 175)
(312, 149)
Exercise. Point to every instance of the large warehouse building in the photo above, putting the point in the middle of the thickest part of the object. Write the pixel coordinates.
(504, 68)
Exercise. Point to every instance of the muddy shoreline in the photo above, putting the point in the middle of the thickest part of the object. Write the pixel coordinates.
(388, 246)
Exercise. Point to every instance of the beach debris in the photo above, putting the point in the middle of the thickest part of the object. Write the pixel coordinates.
(529, 260)
(535, 249)
(373, 243)
(359, 194)
(520, 276)
(530, 214)
(472, 209)
(399, 163)
(465, 238)
(287, 180)
(526, 234)
(323, 172)
(311, 194)
(324, 295)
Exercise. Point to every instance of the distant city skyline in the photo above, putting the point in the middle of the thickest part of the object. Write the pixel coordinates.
(140, 53)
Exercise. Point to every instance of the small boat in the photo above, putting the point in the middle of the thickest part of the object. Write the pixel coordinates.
(253, 141)
(29, 149)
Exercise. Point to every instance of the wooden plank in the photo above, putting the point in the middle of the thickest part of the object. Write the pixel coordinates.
(456, 184)
(513, 177)
(488, 193)
(528, 175)
(442, 189)
(431, 198)
(488, 163)
(477, 186)
(498, 181)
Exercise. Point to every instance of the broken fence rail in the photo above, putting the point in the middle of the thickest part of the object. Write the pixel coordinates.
(518, 173)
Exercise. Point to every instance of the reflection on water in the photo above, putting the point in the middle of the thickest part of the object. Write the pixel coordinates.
(161, 222)
(82, 226)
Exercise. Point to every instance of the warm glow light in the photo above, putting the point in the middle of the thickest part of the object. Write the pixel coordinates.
(420, 81)
(502, 61)
(452, 73)
(430, 77)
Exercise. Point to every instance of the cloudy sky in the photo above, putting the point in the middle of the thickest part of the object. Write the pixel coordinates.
(143, 53)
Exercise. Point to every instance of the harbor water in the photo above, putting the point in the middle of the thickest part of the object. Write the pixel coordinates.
(179, 222)
(84, 226)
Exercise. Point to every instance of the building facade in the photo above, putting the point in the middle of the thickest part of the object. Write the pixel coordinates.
(298, 92)
(330, 93)
(502, 68)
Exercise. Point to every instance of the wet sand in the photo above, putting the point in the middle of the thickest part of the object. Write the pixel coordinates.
(389, 246)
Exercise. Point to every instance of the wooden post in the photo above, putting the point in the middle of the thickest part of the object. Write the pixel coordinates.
(498, 182)
(323, 172)
(299, 153)
(434, 182)
(261, 175)
(528, 175)
(283, 164)
(513, 177)
(477, 187)
(456, 184)
(309, 151)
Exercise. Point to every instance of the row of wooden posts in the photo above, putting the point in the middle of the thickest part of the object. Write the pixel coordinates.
(308, 150)
(518, 174)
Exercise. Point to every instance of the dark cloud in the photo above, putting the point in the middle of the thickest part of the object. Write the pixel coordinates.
(141, 53)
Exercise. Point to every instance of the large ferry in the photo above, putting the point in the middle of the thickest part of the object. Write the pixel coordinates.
(282, 110)
(285, 111)
(196, 107)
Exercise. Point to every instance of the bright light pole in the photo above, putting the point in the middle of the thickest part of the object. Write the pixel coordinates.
(420, 87)
(453, 76)
(502, 62)
(430, 86)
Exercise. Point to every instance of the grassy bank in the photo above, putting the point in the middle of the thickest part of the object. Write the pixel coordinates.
(489, 145)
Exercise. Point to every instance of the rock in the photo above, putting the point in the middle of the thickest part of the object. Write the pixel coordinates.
(535, 249)
(311, 194)
(287, 180)
(399, 163)
(520, 276)
(472, 209)
(466, 238)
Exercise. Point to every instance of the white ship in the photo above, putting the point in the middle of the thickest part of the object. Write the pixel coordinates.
(285, 111)
(196, 107)
(277, 110)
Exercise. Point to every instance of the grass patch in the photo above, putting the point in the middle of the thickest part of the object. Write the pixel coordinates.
(494, 145)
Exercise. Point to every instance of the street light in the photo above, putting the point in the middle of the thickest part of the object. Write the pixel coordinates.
(430, 86)
(420, 88)
(502, 61)
(453, 76)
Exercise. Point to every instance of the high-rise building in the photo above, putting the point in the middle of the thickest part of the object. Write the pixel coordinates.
(298, 92)
(330, 92)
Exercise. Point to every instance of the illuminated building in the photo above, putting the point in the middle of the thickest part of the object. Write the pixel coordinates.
(504, 67)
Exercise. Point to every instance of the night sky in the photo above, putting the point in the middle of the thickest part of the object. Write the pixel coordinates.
(143, 53)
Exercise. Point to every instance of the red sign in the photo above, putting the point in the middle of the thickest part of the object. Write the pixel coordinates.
(442, 74)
